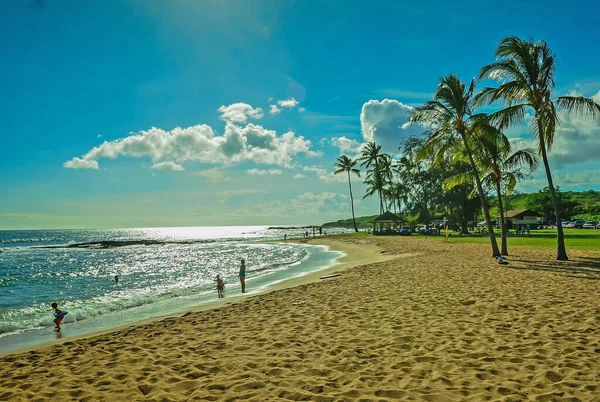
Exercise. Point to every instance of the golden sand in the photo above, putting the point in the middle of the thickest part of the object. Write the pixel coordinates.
(428, 322)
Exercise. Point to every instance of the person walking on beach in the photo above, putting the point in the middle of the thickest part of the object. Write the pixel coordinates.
(58, 316)
(220, 286)
(242, 275)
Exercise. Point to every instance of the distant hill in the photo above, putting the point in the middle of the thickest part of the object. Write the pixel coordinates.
(574, 205)
(363, 222)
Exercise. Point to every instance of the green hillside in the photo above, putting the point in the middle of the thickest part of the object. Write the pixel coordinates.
(574, 205)
(362, 222)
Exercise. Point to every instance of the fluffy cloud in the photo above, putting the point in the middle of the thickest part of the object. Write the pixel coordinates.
(289, 103)
(386, 123)
(264, 172)
(172, 166)
(576, 140)
(324, 175)
(346, 145)
(79, 163)
(298, 176)
(274, 110)
(200, 143)
(239, 112)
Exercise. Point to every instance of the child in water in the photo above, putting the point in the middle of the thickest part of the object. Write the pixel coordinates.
(59, 315)
(220, 286)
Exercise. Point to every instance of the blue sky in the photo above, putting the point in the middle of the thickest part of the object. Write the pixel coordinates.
(172, 113)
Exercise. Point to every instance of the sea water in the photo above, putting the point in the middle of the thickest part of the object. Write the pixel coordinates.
(161, 271)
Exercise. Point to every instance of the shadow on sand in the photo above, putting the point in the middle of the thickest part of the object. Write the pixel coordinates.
(579, 267)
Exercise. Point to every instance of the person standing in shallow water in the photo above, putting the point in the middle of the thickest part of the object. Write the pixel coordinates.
(243, 275)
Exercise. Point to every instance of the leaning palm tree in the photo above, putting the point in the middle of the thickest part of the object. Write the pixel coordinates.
(501, 168)
(526, 72)
(453, 121)
(346, 164)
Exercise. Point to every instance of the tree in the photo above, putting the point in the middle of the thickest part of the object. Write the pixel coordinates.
(371, 157)
(376, 181)
(453, 122)
(526, 72)
(346, 164)
(501, 168)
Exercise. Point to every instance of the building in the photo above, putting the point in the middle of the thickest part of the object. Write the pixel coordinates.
(517, 217)
(388, 223)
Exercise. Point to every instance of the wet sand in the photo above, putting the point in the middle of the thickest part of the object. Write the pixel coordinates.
(428, 321)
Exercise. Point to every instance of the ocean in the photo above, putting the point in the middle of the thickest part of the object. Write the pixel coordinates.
(161, 271)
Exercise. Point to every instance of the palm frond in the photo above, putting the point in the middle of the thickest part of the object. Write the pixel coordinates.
(579, 105)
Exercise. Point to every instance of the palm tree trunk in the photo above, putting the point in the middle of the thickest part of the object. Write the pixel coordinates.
(502, 222)
(486, 210)
(561, 253)
(352, 202)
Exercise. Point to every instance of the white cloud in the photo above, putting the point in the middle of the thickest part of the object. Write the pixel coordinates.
(200, 143)
(324, 175)
(270, 100)
(576, 140)
(172, 166)
(301, 109)
(242, 191)
(79, 163)
(264, 172)
(385, 122)
(99, 135)
(274, 110)
(306, 206)
(289, 103)
(239, 112)
(214, 174)
(346, 145)
(299, 176)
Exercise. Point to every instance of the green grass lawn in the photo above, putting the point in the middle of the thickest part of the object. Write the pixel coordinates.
(579, 239)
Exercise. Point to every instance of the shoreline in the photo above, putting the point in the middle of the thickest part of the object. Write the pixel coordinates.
(352, 256)
(429, 321)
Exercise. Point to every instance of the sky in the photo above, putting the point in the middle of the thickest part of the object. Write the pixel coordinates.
(156, 113)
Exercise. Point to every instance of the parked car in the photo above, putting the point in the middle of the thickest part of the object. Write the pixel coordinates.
(598, 225)
(570, 225)
(405, 230)
(579, 224)
(589, 225)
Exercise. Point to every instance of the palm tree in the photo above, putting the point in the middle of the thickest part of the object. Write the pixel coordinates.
(453, 122)
(371, 157)
(526, 72)
(376, 182)
(502, 167)
(346, 164)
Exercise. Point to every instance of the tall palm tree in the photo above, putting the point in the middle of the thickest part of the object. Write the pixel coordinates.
(376, 182)
(525, 70)
(371, 157)
(452, 118)
(346, 164)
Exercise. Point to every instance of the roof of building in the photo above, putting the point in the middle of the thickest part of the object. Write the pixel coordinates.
(514, 213)
(388, 217)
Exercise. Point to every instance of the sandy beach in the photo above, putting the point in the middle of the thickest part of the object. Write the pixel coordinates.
(407, 319)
